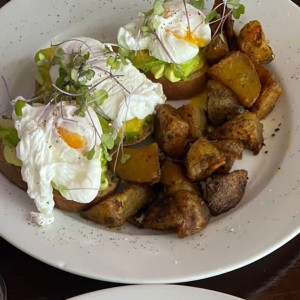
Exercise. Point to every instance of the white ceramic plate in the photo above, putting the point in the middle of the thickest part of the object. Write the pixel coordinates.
(149, 292)
(267, 217)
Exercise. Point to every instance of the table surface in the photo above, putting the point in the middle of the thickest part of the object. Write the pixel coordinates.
(274, 277)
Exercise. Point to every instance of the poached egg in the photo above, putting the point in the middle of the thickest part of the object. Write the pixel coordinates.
(130, 93)
(53, 148)
(177, 37)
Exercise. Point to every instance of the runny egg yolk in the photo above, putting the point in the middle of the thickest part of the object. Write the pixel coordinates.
(73, 139)
(191, 38)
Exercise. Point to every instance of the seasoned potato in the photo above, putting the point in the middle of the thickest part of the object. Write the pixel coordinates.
(237, 72)
(184, 211)
(115, 209)
(230, 147)
(270, 92)
(162, 214)
(173, 179)
(202, 159)
(170, 130)
(196, 118)
(224, 192)
(222, 103)
(216, 50)
(232, 150)
(144, 161)
(252, 42)
(244, 127)
(195, 213)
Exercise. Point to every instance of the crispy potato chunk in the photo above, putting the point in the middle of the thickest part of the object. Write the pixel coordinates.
(222, 103)
(216, 50)
(144, 161)
(196, 119)
(224, 192)
(202, 159)
(170, 130)
(230, 147)
(173, 179)
(270, 92)
(244, 127)
(237, 72)
(184, 211)
(232, 150)
(252, 42)
(115, 209)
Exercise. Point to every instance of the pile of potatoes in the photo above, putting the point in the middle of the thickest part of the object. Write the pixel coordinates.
(183, 175)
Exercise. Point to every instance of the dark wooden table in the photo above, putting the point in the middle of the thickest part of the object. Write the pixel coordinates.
(275, 277)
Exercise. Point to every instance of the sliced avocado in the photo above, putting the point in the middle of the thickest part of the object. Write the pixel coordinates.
(137, 129)
(11, 156)
(8, 134)
(171, 75)
(191, 66)
(158, 71)
(145, 62)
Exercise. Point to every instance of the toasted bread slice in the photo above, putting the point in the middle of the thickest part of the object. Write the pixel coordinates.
(183, 89)
(13, 174)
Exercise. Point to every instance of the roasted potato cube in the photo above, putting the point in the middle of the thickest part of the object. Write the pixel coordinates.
(216, 50)
(244, 127)
(196, 118)
(237, 72)
(115, 209)
(170, 130)
(195, 213)
(270, 92)
(230, 147)
(173, 179)
(184, 211)
(162, 214)
(222, 103)
(224, 192)
(232, 150)
(252, 42)
(202, 159)
(144, 161)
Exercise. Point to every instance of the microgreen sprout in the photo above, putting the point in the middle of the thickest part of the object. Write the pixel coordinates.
(227, 7)
(125, 157)
(199, 4)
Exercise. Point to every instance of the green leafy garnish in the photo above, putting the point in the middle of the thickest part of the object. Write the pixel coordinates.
(18, 107)
(89, 155)
(74, 75)
(158, 8)
(113, 62)
(125, 157)
(97, 97)
(212, 15)
(199, 4)
(108, 140)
